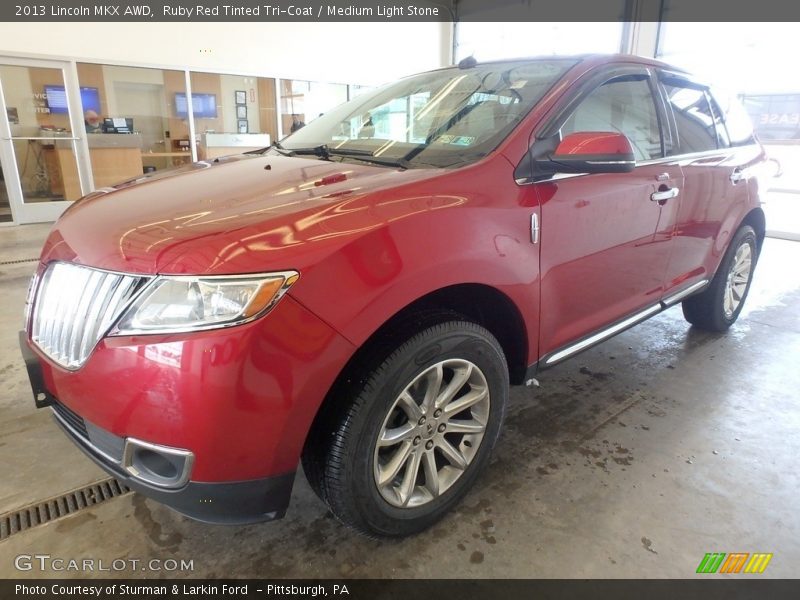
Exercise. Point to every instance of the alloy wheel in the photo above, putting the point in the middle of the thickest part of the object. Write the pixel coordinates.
(738, 277)
(432, 433)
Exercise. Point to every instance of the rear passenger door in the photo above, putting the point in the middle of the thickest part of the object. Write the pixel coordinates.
(715, 187)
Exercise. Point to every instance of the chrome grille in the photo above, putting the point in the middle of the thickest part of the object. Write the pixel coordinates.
(75, 306)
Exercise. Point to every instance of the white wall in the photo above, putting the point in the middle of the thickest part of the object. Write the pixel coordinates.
(753, 58)
(229, 85)
(501, 40)
(366, 53)
(113, 74)
(19, 94)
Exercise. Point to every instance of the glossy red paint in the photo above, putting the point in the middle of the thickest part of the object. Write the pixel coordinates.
(239, 398)
(710, 210)
(368, 241)
(604, 250)
(594, 142)
(331, 179)
(370, 249)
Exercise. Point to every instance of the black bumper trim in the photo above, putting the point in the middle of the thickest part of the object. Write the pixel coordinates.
(41, 396)
(227, 503)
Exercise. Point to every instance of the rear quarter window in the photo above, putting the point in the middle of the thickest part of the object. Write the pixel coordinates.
(737, 121)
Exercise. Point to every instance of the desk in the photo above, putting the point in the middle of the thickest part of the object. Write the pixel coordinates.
(115, 157)
(167, 154)
(166, 159)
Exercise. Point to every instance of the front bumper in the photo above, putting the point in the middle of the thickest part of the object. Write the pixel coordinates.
(229, 503)
(240, 401)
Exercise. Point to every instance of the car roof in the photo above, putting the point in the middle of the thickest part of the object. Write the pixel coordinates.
(586, 60)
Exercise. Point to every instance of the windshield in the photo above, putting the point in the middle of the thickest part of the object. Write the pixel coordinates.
(441, 118)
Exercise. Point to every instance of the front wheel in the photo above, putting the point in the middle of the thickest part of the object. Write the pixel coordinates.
(417, 432)
(718, 307)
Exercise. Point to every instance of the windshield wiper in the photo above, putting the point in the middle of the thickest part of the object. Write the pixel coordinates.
(276, 145)
(368, 156)
(321, 151)
(325, 152)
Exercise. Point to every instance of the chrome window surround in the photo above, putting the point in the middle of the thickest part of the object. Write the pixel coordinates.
(652, 73)
(679, 159)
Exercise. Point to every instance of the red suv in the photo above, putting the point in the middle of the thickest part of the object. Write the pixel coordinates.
(360, 296)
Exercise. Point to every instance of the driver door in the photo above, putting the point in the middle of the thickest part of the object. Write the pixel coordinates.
(604, 240)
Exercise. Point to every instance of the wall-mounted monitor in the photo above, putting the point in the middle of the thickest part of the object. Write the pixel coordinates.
(57, 99)
(204, 106)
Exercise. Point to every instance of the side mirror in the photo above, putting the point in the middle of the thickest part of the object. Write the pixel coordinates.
(593, 152)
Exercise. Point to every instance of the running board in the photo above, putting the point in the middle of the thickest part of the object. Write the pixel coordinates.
(619, 326)
(695, 287)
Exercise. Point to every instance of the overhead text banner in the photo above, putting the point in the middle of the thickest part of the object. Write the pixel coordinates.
(395, 10)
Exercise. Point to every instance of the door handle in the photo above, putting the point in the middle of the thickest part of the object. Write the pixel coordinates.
(737, 176)
(664, 195)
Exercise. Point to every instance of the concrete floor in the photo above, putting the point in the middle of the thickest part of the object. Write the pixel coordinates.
(633, 459)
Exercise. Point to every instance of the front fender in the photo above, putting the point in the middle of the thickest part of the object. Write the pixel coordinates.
(365, 283)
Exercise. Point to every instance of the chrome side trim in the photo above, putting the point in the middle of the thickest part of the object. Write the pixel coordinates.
(690, 156)
(127, 462)
(602, 334)
(82, 439)
(555, 177)
(674, 159)
(670, 300)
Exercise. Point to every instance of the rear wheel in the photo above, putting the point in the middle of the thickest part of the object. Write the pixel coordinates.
(416, 434)
(718, 307)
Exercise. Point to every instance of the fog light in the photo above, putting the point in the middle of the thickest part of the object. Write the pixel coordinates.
(161, 466)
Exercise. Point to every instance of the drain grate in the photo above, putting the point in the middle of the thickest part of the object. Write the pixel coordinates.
(19, 261)
(60, 506)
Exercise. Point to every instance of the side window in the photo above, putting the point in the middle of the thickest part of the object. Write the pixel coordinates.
(737, 121)
(693, 118)
(719, 125)
(622, 106)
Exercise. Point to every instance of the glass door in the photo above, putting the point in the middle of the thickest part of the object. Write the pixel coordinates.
(43, 149)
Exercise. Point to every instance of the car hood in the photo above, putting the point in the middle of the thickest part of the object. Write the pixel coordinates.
(241, 214)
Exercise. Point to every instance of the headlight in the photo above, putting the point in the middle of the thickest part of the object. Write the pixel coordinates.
(179, 304)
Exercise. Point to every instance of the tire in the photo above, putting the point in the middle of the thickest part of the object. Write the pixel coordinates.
(368, 486)
(719, 305)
